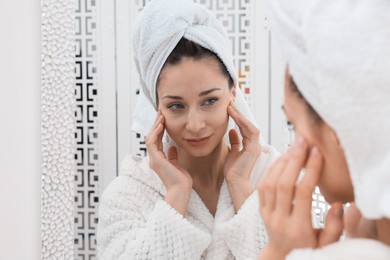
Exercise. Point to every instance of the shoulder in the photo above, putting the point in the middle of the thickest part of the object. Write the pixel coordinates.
(132, 164)
(135, 178)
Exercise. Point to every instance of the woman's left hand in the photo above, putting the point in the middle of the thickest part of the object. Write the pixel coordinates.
(240, 161)
(286, 205)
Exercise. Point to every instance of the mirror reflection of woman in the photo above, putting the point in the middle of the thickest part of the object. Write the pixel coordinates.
(193, 197)
(337, 90)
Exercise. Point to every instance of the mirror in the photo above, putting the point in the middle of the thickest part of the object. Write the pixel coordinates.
(89, 88)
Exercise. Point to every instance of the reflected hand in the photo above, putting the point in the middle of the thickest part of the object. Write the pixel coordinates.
(176, 179)
(286, 205)
(240, 162)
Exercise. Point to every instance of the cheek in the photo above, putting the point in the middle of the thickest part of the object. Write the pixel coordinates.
(335, 182)
(308, 132)
(219, 117)
(172, 124)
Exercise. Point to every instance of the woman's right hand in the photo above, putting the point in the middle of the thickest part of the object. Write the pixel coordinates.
(286, 204)
(177, 180)
(356, 226)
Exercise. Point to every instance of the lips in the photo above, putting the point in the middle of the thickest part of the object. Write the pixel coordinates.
(198, 141)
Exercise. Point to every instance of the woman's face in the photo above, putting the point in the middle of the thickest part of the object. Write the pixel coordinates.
(335, 183)
(193, 96)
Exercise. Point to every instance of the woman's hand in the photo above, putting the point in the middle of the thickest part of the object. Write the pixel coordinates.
(356, 226)
(176, 179)
(286, 205)
(240, 162)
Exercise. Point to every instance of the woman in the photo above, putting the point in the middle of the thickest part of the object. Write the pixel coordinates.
(192, 199)
(337, 98)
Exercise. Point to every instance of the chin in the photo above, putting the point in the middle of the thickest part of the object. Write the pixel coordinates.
(198, 152)
(201, 151)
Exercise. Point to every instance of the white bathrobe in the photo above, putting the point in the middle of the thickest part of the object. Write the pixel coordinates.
(349, 249)
(135, 222)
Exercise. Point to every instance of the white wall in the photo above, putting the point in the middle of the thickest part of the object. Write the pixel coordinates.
(20, 129)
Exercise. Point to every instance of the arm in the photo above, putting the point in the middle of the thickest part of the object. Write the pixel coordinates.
(132, 226)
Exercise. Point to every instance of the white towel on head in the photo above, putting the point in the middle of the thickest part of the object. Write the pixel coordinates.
(338, 53)
(160, 26)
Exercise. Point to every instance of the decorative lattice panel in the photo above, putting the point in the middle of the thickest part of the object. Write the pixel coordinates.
(86, 197)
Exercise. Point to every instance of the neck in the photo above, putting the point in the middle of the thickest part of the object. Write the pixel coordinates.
(206, 171)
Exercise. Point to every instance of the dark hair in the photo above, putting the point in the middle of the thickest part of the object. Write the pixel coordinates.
(291, 83)
(187, 48)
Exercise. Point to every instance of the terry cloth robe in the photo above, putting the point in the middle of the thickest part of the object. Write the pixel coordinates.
(349, 249)
(135, 222)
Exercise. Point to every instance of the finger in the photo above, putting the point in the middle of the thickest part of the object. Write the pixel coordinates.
(286, 183)
(267, 184)
(153, 141)
(161, 134)
(355, 225)
(247, 129)
(234, 140)
(304, 190)
(159, 120)
(156, 121)
(333, 225)
(352, 219)
(172, 155)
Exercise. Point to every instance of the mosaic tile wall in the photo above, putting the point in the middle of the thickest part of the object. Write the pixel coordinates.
(57, 126)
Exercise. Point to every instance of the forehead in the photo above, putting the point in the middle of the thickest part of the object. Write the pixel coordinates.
(191, 76)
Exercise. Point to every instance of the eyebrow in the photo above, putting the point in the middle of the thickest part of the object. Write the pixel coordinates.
(204, 93)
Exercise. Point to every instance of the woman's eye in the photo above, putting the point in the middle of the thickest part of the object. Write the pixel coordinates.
(210, 101)
(175, 106)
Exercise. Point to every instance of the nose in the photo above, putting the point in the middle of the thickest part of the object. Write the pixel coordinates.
(195, 121)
